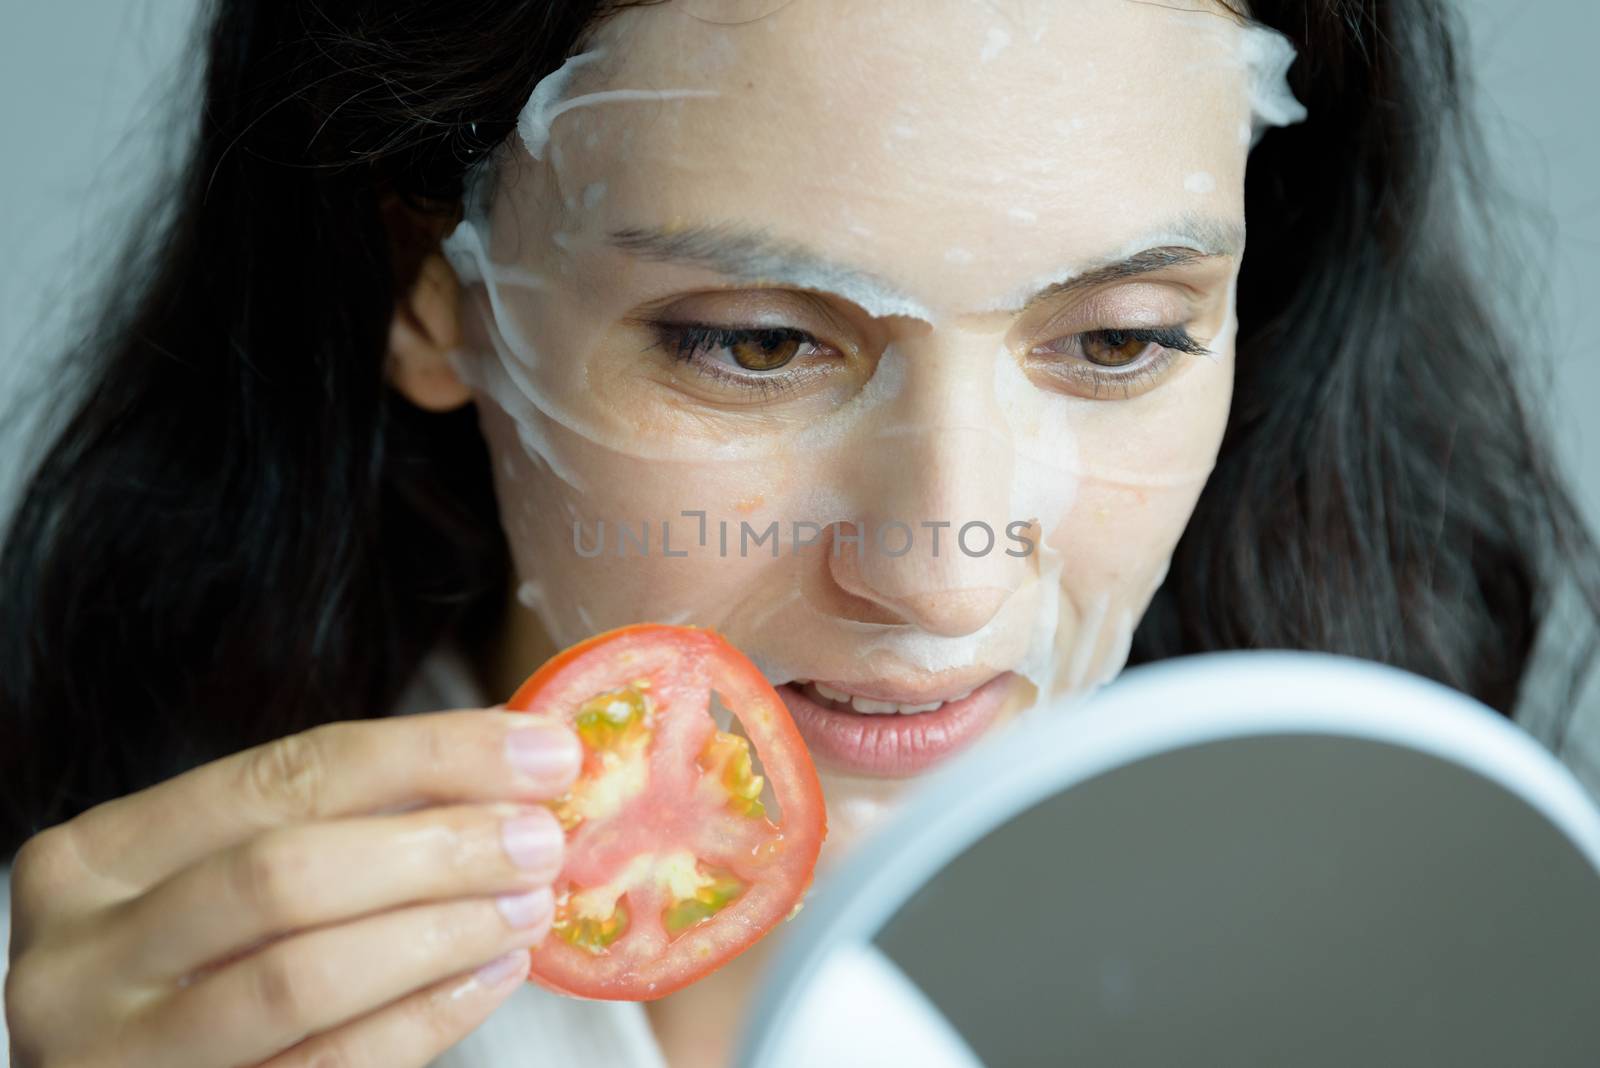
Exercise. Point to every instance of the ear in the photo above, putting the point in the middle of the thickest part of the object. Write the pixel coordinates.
(425, 328)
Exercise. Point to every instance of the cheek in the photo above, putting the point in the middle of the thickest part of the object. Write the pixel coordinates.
(1113, 553)
(1143, 467)
(599, 538)
(1119, 535)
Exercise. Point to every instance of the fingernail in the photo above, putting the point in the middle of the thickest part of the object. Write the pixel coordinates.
(527, 910)
(533, 842)
(547, 755)
(503, 969)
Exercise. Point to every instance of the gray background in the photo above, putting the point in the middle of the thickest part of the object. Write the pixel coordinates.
(81, 105)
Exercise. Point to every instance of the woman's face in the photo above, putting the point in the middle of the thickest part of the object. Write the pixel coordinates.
(912, 281)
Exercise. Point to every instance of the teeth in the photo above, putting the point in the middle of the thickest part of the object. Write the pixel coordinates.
(830, 693)
(883, 708)
(911, 709)
(867, 705)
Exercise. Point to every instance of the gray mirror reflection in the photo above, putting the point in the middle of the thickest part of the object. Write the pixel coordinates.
(1292, 899)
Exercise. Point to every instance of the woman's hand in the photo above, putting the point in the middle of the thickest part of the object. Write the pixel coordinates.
(360, 894)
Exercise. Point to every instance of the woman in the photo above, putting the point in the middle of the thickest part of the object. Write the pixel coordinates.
(919, 269)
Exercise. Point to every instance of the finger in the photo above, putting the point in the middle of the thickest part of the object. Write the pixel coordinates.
(271, 1000)
(338, 769)
(411, 1032)
(320, 873)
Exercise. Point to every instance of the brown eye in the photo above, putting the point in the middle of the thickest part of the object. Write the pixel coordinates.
(1113, 348)
(763, 352)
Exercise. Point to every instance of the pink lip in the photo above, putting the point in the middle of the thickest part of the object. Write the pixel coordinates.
(894, 745)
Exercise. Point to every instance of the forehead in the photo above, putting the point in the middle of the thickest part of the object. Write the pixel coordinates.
(925, 139)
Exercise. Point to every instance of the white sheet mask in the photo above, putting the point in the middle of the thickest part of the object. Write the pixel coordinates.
(899, 199)
(1267, 56)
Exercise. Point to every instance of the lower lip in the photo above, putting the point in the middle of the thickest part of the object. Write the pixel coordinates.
(894, 745)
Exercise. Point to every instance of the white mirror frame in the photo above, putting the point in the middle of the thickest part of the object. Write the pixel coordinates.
(1149, 710)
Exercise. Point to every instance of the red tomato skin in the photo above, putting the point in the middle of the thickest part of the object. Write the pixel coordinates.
(784, 758)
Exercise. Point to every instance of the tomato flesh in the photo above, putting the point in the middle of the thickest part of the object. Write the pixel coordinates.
(675, 864)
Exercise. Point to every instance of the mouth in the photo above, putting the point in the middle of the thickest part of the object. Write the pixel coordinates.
(891, 732)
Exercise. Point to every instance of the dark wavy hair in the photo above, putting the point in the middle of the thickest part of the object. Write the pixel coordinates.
(237, 529)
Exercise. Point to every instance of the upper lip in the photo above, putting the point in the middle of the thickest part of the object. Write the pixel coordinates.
(912, 692)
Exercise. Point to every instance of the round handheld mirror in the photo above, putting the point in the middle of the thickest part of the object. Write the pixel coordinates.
(1240, 858)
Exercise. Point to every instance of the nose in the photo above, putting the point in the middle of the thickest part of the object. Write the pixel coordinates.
(933, 485)
(949, 613)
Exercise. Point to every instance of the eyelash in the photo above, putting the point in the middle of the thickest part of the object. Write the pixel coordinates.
(1169, 342)
(686, 342)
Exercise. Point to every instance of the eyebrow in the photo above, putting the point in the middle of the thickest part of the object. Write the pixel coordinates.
(751, 254)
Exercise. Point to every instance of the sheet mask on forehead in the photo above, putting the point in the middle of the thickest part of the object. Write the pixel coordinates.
(922, 516)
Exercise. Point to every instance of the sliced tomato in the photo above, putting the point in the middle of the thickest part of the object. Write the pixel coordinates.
(675, 863)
